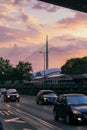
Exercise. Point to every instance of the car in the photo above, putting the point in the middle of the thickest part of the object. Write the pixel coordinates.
(46, 97)
(2, 91)
(71, 107)
(11, 95)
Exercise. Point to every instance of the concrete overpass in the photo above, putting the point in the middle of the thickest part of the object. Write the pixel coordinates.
(79, 5)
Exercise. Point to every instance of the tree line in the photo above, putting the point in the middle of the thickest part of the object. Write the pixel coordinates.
(23, 70)
(75, 66)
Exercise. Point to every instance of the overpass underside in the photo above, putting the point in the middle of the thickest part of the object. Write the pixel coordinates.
(79, 5)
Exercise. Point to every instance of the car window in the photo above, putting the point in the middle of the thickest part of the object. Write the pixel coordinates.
(77, 100)
(46, 93)
(12, 92)
(59, 99)
(63, 100)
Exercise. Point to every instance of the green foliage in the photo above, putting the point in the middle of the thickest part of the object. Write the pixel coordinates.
(22, 71)
(5, 69)
(75, 66)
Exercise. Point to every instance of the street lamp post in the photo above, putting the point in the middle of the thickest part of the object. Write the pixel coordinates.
(44, 64)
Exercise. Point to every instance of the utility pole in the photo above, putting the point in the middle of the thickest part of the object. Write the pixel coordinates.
(44, 63)
(45, 56)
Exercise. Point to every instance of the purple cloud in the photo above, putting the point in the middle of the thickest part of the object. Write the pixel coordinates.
(28, 23)
(74, 44)
(78, 16)
(57, 55)
(9, 35)
(23, 15)
(21, 2)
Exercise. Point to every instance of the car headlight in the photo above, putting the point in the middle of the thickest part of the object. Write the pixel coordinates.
(45, 98)
(8, 96)
(76, 112)
(17, 95)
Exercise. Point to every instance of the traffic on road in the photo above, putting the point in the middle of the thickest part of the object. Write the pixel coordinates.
(27, 115)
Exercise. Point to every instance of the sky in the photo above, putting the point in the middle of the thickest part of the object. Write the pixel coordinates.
(24, 25)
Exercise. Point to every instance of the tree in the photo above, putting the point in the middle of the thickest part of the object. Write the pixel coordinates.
(75, 66)
(23, 71)
(5, 69)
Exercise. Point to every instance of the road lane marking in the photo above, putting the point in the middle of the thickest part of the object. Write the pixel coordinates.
(5, 112)
(1, 112)
(18, 111)
(17, 119)
(10, 112)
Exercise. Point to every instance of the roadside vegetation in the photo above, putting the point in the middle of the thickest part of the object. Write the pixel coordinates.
(17, 76)
(75, 66)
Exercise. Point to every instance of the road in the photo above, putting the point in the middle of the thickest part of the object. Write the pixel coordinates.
(27, 115)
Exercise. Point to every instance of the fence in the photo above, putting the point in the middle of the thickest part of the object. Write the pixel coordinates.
(80, 87)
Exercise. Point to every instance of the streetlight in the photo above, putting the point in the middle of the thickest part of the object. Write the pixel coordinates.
(44, 63)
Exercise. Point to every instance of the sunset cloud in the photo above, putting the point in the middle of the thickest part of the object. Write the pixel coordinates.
(25, 23)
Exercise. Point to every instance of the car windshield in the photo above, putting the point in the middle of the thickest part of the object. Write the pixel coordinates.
(49, 93)
(12, 92)
(77, 100)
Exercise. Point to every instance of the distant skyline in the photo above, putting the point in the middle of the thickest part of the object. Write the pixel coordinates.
(24, 25)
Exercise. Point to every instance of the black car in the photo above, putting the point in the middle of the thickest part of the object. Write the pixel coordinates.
(11, 95)
(71, 107)
(46, 97)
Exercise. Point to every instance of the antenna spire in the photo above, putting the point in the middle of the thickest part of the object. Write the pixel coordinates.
(46, 51)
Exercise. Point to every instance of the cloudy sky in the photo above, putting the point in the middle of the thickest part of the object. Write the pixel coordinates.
(25, 24)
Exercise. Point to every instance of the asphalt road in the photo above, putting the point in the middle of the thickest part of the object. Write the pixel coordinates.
(27, 115)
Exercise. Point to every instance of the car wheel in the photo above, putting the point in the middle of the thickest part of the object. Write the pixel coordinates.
(68, 120)
(40, 102)
(55, 115)
(4, 100)
(18, 100)
(37, 102)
